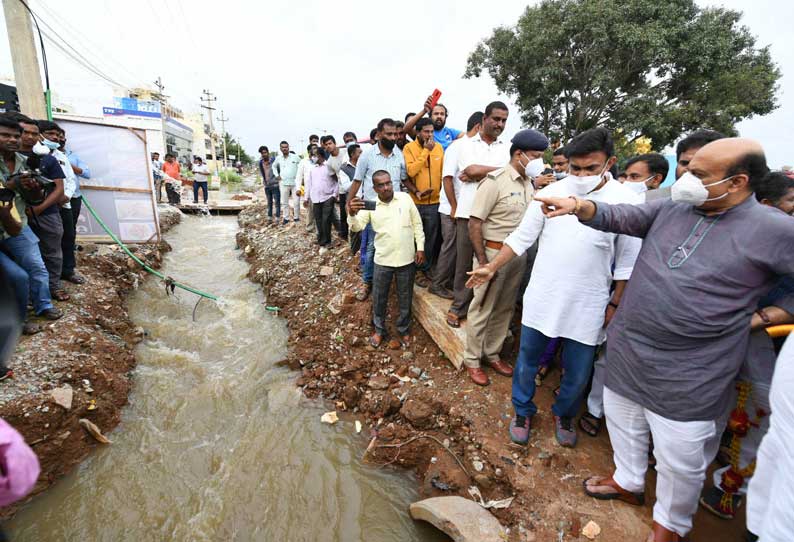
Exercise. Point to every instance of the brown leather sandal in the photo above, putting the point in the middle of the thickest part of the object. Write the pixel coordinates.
(453, 320)
(636, 499)
(61, 295)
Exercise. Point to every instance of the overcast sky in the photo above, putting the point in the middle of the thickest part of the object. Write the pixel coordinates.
(300, 68)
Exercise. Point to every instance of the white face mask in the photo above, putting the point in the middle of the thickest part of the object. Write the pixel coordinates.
(638, 187)
(560, 175)
(585, 185)
(690, 189)
(40, 149)
(533, 167)
(314, 159)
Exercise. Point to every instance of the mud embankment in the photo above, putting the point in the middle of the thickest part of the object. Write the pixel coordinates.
(89, 352)
(410, 395)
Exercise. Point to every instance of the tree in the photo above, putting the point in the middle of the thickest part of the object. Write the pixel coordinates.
(232, 149)
(647, 67)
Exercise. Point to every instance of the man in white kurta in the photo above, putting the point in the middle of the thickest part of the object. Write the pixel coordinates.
(568, 294)
(770, 500)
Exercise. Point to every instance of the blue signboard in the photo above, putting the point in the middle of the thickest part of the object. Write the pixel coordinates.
(131, 106)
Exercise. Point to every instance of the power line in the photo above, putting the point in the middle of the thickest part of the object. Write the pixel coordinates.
(76, 53)
(76, 35)
(80, 62)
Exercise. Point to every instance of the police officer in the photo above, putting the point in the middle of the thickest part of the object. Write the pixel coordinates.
(499, 205)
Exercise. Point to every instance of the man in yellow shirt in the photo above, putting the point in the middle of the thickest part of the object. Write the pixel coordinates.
(424, 159)
(398, 231)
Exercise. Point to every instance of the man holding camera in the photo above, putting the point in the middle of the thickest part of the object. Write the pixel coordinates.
(19, 251)
(397, 225)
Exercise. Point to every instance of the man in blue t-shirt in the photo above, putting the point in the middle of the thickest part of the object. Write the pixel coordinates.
(442, 134)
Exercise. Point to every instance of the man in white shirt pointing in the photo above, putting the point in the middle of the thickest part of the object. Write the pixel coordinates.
(568, 295)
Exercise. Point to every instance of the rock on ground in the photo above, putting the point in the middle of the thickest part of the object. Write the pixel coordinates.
(463, 520)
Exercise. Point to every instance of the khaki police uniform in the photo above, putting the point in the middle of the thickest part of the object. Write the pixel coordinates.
(501, 200)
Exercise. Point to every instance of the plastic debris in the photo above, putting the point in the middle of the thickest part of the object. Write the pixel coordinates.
(272, 309)
(474, 491)
(91, 405)
(358, 426)
(329, 417)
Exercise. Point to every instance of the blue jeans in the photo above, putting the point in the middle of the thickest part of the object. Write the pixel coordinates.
(369, 261)
(18, 279)
(363, 247)
(24, 250)
(578, 360)
(199, 185)
(273, 194)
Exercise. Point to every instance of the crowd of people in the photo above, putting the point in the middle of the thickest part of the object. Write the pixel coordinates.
(39, 210)
(663, 305)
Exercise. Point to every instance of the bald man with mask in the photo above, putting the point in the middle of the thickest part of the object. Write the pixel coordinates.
(677, 341)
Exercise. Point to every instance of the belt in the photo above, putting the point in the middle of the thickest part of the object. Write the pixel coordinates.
(494, 245)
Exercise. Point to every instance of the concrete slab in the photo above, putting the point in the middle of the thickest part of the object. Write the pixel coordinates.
(463, 520)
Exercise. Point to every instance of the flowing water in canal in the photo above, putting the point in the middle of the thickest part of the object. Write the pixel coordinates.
(217, 443)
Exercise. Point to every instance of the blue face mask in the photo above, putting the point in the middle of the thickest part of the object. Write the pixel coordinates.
(52, 145)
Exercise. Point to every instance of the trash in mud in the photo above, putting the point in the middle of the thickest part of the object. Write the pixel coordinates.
(438, 484)
(358, 426)
(474, 491)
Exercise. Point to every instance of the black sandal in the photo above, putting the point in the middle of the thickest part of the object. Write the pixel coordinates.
(590, 424)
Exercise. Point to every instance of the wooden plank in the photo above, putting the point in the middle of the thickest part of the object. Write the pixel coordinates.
(115, 189)
(431, 311)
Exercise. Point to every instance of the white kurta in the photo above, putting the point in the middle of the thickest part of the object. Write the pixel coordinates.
(770, 499)
(568, 291)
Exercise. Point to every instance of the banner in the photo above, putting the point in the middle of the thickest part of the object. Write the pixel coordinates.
(120, 188)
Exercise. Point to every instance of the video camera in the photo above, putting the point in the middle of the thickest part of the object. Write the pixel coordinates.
(31, 184)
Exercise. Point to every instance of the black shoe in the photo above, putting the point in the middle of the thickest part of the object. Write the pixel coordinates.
(29, 328)
(51, 314)
(442, 293)
(74, 278)
(750, 537)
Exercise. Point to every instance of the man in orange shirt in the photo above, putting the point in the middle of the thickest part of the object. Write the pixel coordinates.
(172, 185)
(424, 159)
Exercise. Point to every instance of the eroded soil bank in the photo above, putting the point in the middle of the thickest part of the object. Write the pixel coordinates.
(416, 402)
(89, 350)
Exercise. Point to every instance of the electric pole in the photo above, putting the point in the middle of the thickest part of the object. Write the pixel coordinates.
(160, 87)
(223, 121)
(209, 98)
(25, 60)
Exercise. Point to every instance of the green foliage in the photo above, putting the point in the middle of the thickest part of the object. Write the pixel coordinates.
(228, 176)
(232, 148)
(186, 172)
(650, 68)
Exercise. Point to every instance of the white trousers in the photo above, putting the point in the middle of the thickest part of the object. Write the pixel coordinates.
(681, 455)
(286, 192)
(595, 401)
(770, 497)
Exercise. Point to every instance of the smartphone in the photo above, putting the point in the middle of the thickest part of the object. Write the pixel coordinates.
(6, 195)
(434, 98)
(369, 205)
(547, 171)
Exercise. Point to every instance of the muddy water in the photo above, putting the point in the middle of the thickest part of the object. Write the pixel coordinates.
(217, 443)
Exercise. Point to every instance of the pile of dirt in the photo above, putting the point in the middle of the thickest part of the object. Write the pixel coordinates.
(87, 354)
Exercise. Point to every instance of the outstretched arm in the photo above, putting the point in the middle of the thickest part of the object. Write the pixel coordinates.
(625, 218)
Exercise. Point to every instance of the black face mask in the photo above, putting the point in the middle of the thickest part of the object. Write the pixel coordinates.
(388, 144)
